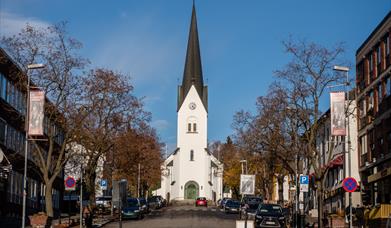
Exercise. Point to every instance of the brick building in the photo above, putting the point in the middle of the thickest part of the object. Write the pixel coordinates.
(373, 82)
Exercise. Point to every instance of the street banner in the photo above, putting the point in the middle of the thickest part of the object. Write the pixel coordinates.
(36, 112)
(337, 107)
(247, 184)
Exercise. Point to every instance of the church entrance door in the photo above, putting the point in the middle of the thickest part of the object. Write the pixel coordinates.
(191, 190)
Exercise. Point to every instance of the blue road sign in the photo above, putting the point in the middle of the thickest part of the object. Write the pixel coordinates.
(304, 179)
(103, 184)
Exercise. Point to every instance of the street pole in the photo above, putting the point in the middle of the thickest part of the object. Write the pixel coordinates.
(26, 142)
(81, 195)
(349, 155)
(297, 191)
(347, 125)
(138, 180)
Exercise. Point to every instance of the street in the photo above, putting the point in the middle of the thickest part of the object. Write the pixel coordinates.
(182, 216)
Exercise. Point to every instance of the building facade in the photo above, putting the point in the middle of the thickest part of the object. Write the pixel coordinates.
(12, 144)
(373, 82)
(192, 171)
(334, 151)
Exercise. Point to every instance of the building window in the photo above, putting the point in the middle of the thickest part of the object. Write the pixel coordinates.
(189, 127)
(370, 102)
(388, 86)
(379, 58)
(191, 155)
(194, 127)
(380, 94)
(389, 141)
(3, 128)
(370, 67)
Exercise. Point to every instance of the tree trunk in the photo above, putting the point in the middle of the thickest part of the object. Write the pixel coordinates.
(49, 199)
(320, 204)
(280, 180)
(90, 177)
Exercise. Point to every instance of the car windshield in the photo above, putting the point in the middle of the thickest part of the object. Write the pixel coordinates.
(233, 203)
(132, 202)
(254, 200)
(201, 198)
(269, 208)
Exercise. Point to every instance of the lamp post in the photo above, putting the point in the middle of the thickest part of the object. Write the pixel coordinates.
(26, 120)
(347, 125)
(241, 162)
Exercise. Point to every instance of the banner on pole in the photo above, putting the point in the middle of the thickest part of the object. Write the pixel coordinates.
(337, 112)
(36, 112)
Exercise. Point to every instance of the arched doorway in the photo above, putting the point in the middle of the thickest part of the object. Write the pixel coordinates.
(191, 190)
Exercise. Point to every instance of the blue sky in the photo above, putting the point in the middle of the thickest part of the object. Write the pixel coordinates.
(240, 43)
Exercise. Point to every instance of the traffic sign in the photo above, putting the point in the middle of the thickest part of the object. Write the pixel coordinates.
(247, 184)
(304, 183)
(304, 179)
(349, 184)
(103, 184)
(70, 184)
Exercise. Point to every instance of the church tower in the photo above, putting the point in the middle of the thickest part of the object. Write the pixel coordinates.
(191, 171)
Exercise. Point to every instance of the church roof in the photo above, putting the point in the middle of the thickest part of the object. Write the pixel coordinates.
(192, 74)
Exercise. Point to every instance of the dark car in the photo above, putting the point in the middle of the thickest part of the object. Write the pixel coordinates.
(232, 206)
(132, 209)
(269, 215)
(144, 205)
(222, 202)
(155, 202)
(249, 205)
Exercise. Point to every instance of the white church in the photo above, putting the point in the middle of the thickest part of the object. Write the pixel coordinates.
(191, 171)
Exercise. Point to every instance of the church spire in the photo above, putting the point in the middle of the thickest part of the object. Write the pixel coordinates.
(192, 74)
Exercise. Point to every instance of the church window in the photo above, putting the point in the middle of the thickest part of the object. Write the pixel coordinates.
(191, 155)
(189, 127)
(194, 127)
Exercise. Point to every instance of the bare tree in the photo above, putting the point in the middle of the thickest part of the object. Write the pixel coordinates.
(59, 79)
(306, 79)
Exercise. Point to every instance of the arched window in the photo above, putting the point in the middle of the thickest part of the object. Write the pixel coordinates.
(191, 155)
(194, 127)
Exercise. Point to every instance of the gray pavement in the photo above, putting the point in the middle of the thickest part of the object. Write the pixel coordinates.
(182, 216)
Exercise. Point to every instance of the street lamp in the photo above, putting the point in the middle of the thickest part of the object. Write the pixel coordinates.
(347, 125)
(26, 120)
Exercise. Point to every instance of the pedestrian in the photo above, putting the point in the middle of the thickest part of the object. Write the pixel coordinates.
(87, 215)
(360, 216)
(325, 220)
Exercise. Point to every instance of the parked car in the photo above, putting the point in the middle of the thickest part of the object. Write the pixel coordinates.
(132, 209)
(103, 204)
(270, 215)
(222, 202)
(232, 206)
(155, 202)
(249, 206)
(201, 201)
(144, 205)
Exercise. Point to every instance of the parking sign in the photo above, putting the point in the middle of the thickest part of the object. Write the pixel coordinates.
(304, 182)
(103, 184)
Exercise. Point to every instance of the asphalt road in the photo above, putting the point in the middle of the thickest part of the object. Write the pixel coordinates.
(182, 216)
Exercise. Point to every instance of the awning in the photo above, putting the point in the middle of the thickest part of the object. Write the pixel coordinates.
(337, 161)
